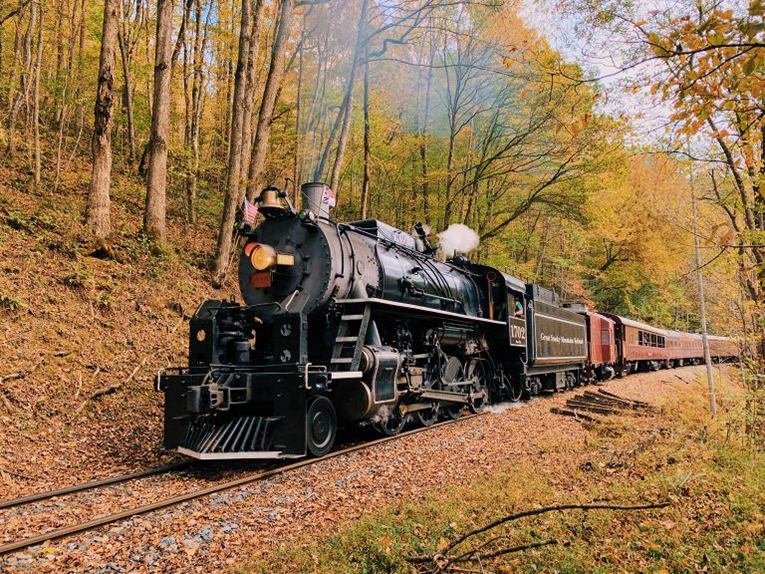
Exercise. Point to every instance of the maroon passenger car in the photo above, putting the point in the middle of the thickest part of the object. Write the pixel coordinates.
(639, 346)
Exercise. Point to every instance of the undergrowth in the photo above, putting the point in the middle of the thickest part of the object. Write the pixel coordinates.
(714, 481)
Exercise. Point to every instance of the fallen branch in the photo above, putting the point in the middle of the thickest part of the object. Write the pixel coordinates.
(545, 510)
(110, 389)
(442, 562)
(22, 374)
(577, 405)
(18, 474)
(503, 551)
(610, 401)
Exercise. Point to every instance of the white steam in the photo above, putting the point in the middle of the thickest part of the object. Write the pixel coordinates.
(500, 408)
(457, 238)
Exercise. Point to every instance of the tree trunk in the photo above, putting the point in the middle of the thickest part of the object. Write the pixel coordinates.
(28, 71)
(16, 52)
(18, 97)
(250, 89)
(200, 44)
(229, 91)
(297, 162)
(330, 140)
(270, 93)
(128, 96)
(63, 108)
(98, 216)
(234, 172)
(154, 217)
(365, 182)
(260, 145)
(36, 117)
(59, 39)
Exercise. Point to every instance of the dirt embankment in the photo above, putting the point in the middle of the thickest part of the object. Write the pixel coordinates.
(81, 337)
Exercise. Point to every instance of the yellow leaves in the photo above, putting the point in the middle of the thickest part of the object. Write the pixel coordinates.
(751, 65)
(754, 527)
(656, 45)
(443, 543)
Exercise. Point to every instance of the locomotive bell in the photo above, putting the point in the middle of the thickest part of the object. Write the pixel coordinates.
(269, 202)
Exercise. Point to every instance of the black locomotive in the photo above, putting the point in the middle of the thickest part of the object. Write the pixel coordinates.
(358, 322)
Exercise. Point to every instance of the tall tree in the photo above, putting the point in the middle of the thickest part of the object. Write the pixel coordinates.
(260, 145)
(234, 171)
(20, 97)
(98, 211)
(36, 111)
(128, 88)
(154, 216)
(270, 95)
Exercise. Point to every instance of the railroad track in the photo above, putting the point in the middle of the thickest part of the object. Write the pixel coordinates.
(93, 485)
(172, 501)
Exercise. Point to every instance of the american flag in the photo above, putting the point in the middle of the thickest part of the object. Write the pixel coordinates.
(328, 198)
(250, 212)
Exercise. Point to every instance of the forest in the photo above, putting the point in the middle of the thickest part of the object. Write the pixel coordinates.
(437, 111)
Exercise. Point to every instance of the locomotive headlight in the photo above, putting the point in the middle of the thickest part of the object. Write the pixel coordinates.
(261, 256)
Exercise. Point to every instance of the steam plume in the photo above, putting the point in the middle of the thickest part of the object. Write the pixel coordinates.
(457, 238)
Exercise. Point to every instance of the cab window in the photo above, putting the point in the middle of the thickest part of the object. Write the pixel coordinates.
(516, 306)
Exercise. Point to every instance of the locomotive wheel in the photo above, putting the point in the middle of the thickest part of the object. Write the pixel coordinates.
(322, 426)
(392, 424)
(476, 372)
(427, 417)
(516, 392)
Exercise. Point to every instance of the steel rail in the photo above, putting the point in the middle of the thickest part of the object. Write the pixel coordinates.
(95, 523)
(91, 485)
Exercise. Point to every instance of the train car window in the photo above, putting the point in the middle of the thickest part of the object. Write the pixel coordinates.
(605, 337)
(662, 343)
(517, 306)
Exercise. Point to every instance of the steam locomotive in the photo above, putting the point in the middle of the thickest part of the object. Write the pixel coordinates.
(359, 323)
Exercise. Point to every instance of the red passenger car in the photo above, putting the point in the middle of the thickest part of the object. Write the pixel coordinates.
(723, 348)
(639, 346)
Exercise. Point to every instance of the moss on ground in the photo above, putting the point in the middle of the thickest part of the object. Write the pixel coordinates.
(713, 479)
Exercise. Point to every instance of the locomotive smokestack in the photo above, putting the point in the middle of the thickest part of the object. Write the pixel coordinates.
(317, 197)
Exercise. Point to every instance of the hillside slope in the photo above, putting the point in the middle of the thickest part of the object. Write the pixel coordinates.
(81, 337)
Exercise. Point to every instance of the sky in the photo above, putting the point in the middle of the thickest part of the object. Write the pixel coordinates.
(647, 116)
